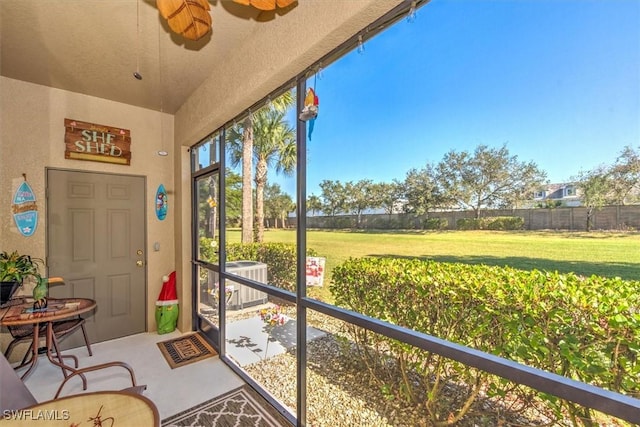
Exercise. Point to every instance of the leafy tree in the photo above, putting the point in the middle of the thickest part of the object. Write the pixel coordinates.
(359, 198)
(595, 186)
(625, 176)
(207, 207)
(277, 204)
(233, 197)
(284, 205)
(386, 196)
(333, 197)
(265, 139)
(420, 191)
(486, 178)
(314, 204)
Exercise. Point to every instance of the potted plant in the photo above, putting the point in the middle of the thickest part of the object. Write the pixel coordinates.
(14, 269)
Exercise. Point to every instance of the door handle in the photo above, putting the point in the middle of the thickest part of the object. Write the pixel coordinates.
(140, 263)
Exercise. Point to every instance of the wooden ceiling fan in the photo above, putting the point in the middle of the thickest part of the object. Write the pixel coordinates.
(266, 4)
(191, 18)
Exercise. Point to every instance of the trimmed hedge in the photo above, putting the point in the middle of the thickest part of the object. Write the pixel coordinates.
(491, 223)
(583, 328)
(436, 224)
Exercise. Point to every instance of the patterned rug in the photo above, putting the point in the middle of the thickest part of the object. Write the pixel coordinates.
(240, 407)
(186, 349)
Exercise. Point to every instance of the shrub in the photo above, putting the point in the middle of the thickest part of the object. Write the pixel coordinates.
(491, 223)
(582, 328)
(469, 224)
(341, 222)
(209, 249)
(436, 224)
(505, 223)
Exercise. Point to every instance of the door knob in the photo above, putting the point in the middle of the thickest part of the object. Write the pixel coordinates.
(139, 263)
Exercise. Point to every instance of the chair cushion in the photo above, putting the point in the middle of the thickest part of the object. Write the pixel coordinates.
(13, 393)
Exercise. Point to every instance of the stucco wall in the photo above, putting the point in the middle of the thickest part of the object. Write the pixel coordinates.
(32, 138)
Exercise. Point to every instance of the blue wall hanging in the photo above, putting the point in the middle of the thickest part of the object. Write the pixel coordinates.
(161, 203)
(25, 210)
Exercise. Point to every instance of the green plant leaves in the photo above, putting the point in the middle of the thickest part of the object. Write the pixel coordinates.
(583, 328)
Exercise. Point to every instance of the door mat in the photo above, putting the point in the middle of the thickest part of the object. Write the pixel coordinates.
(240, 407)
(185, 350)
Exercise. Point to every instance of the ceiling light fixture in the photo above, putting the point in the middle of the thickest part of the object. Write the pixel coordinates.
(136, 73)
(161, 152)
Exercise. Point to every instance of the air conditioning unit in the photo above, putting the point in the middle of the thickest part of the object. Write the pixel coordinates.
(245, 296)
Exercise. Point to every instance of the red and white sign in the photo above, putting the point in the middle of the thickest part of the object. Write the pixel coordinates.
(315, 271)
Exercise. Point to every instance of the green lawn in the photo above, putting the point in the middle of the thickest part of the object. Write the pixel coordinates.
(605, 254)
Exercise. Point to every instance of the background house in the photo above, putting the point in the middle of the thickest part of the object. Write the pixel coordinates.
(556, 195)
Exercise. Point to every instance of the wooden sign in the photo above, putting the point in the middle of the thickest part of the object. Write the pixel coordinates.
(97, 143)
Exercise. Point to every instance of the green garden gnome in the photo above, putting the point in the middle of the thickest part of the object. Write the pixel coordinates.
(167, 305)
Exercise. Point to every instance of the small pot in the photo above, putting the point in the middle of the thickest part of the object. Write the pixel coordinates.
(7, 289)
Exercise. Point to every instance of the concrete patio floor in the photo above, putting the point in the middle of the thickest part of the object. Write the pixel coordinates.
(172, 390)
(250, 340)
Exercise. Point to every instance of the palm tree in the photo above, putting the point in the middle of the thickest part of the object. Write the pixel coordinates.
(247, 205)
(239, 142)
(274, 146)
(250, 142)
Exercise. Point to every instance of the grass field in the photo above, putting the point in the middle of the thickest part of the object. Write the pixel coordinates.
(605, 254)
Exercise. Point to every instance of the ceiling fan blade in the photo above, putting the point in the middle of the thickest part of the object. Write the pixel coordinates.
(189, 18)
(285, 3)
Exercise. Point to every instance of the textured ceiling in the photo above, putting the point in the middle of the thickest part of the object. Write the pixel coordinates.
(94, 47)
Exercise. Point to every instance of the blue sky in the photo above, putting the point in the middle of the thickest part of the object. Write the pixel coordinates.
(558, 81)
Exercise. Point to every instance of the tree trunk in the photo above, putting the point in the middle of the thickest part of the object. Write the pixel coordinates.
(213, 193)
(261, 180)
(247, 204)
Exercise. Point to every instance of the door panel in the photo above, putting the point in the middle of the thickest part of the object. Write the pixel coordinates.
(95, 230)
(208, 312)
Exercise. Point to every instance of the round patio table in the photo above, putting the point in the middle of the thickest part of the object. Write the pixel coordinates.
(57, 309)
